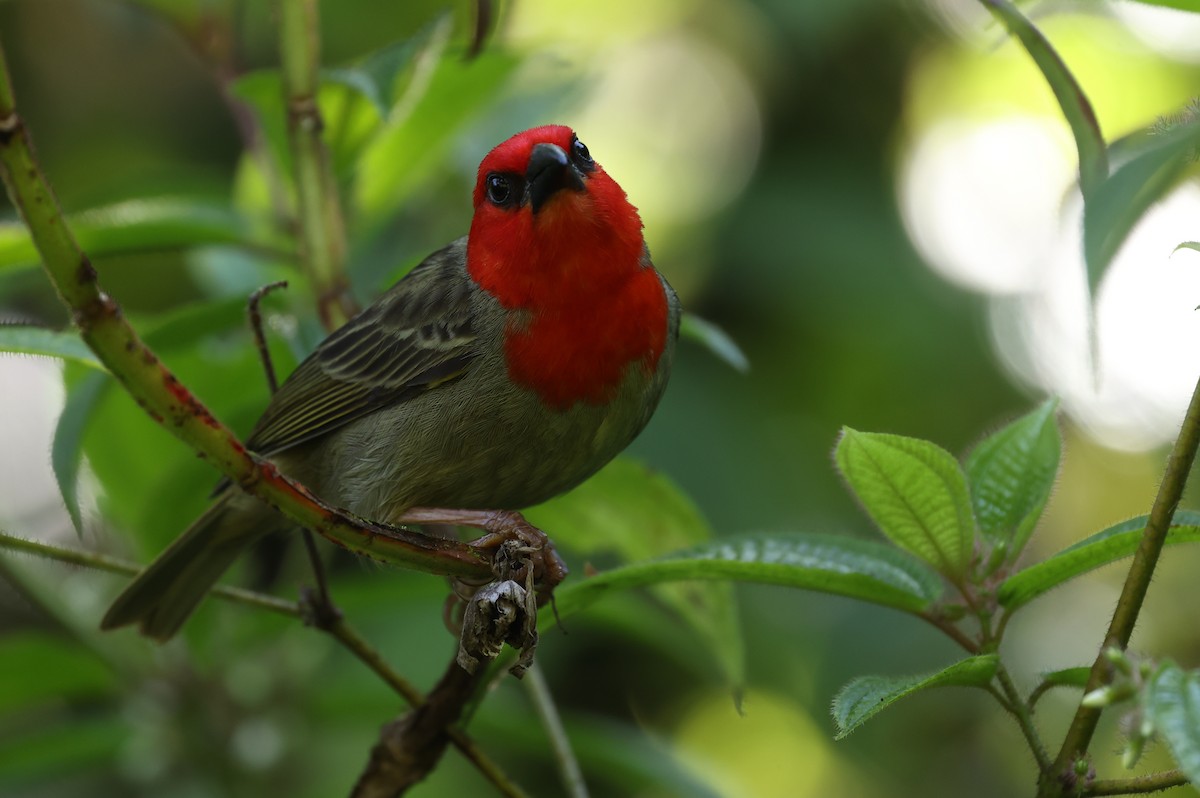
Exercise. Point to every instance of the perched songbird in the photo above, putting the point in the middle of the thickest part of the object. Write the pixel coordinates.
(505, 369)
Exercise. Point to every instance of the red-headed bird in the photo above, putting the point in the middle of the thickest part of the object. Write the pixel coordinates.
(503, 370)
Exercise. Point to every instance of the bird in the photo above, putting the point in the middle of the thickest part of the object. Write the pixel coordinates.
(503, 370)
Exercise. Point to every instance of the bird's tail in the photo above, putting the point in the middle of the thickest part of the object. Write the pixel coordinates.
(165, 593)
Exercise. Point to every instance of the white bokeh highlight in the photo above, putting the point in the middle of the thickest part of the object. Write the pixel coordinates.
(981, 200)
(991, 206)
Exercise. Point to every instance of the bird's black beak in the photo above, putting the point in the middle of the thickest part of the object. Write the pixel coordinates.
(549, 171)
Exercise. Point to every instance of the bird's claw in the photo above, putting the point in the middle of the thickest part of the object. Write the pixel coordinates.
(533, 544)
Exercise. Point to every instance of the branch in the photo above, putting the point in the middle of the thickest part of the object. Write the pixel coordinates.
(365, 652)
(409, 747)
(167, 401)
(1179, 464)
(323, 241)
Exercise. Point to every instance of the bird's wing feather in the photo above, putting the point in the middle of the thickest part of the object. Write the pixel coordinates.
(417, 336)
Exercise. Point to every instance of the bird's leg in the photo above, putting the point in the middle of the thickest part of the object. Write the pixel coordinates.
(501, 525)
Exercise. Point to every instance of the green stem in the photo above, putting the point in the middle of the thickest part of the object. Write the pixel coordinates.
(1083, 726)
(543, 702)
(1042, 688)
(1153, 782)
(164, 398)
(1022, 713)
(322, 230)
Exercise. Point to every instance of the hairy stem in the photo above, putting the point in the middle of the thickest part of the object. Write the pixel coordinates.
(951, 630)
(1083, 726)
(166, 400)
(1023, 714)
(1152, 782)
(323, 238)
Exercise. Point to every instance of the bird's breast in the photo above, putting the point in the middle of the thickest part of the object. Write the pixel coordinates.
(580, 349)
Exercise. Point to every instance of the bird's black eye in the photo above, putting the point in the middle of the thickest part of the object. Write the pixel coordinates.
(581, 156)
(500, 190)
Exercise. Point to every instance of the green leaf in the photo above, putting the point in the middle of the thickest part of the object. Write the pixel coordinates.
(262, 90)
(837, 564)
(715, 340)
(1173, 703)
(915, 492)
(65, 344)
(444, 94)
(865, 696)
(1068, 677)
(1011, 474)
(40, 669)
(1192, 245)
(627, 507)
(1089, 141)
(1102, 548)
(66, 452)
(1151, 169)
(142, 225)
(638, 513)
(46, 752)
(374, 75)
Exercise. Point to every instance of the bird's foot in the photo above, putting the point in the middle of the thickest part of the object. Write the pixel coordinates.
(526, 569)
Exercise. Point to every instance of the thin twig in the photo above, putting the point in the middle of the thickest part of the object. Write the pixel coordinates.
(543, 703)
(116, 565)
(260, 339)
(1152, 782)
(1083, 726)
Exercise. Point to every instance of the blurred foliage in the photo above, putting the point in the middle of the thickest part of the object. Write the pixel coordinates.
(782, 227)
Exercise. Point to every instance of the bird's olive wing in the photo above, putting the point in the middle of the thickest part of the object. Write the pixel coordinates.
(417, 336)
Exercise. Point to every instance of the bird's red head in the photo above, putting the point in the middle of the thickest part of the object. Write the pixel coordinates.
(556, 238)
